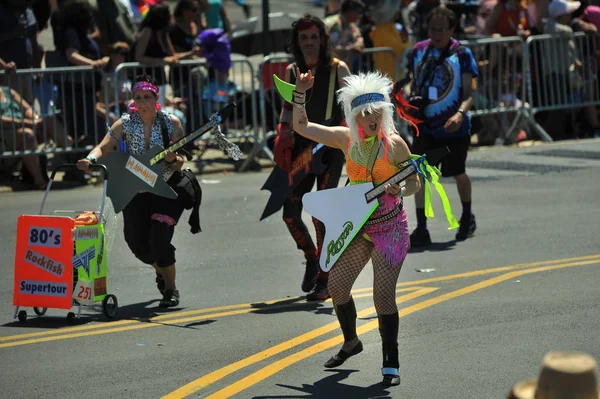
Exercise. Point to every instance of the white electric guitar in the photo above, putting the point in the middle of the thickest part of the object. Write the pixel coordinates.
(345, 210)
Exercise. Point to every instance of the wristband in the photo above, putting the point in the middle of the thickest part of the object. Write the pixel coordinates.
(298, 94)
(298, 105)
(92, 158)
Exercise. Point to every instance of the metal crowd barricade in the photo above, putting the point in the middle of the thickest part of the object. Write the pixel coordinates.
(383, 59)
(269, 99)
(66, 118)
(501, 86)
(563, 73)
(204, 92)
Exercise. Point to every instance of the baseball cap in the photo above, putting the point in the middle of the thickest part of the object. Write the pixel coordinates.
(558, 8)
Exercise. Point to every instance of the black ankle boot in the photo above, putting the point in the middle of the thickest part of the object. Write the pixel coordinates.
(346, 315)
(388, 329)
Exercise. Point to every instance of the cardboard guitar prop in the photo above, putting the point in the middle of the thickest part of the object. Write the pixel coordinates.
(131, 174)
(344, 210)
(281, 183)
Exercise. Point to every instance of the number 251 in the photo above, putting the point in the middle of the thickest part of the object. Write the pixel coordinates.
(86, 291)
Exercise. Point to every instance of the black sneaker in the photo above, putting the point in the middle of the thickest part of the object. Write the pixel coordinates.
(310, 275)
(420, 237)
(466, 228)
(160, 283)
(170, 299)
(246, 8)
(320, 293)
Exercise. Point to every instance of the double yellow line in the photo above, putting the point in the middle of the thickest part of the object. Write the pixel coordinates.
(168, 319)
(511, 272)
(231, 310)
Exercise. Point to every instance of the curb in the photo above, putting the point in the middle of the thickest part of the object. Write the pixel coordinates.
(212, 162)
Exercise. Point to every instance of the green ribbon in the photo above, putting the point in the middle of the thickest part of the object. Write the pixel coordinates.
(431, 174)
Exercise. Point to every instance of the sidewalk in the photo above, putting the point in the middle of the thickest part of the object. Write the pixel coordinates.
(213, 161)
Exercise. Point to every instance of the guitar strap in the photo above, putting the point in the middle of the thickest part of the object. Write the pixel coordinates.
(372, 159)
(370, 163)
(165, 135)
(186, 180)
(332, 77)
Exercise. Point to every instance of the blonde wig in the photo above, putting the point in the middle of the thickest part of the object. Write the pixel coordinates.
(367, 92)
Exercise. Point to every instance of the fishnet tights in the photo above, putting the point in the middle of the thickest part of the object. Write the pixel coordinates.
(347, 268)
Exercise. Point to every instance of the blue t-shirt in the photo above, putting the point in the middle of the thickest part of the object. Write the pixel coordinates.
(445, 91)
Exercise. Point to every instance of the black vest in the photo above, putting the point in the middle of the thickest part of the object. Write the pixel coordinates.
(316, 100)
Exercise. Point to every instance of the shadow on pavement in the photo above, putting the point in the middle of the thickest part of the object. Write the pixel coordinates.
(434, 247)
(331, 387)
(291, 305)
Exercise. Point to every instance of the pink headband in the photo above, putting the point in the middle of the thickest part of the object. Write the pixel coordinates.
(147, 86)
(144, 86)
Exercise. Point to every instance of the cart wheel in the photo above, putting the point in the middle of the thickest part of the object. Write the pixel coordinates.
(110, 306)
(71, 318)
(22, 316)
(40, 311)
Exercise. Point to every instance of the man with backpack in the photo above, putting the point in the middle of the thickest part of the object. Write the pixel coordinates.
(442, 73)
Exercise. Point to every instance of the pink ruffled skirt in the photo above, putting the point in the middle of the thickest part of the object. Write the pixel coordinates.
(389, 236)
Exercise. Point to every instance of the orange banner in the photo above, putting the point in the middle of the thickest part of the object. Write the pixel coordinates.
(43, 268)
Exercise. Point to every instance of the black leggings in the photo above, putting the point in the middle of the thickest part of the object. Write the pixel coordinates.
(292, 208)
(149, 223)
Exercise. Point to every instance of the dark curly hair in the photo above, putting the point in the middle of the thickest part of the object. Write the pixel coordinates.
(294, 47)
(184, 5)
(74, 14)
(158, 17)
(442, 11)
(77, 15)
(143, 78)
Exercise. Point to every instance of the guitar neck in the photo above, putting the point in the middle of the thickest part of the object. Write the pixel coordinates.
(214, 121)
(402, 175)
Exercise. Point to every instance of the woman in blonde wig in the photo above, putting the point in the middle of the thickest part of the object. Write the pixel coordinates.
(384, 238)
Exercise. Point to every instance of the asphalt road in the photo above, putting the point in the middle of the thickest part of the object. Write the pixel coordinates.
(477, 323)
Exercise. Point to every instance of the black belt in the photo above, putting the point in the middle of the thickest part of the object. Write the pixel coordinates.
(392, 214)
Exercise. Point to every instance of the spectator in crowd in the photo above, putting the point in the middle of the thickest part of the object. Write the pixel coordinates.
(43, 88)
(344, 35)
(18, 43)
(572, 375)
(18, 132)
(107, 102)
(8, 67)
(560, 71)
(245, 7)
(115, 23)
(442, 73)
(416, 19)
(508, 18)
(537, 12)
(41, 10)
(385, 33)
(332, 7)
(154, 48)
(582, 22)
(216, 16)
(75, 23)
(184, 37)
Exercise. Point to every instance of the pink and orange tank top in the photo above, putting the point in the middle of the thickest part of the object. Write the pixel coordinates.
(356, 163)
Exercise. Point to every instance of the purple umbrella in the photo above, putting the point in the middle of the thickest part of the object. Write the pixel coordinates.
(216, 49)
